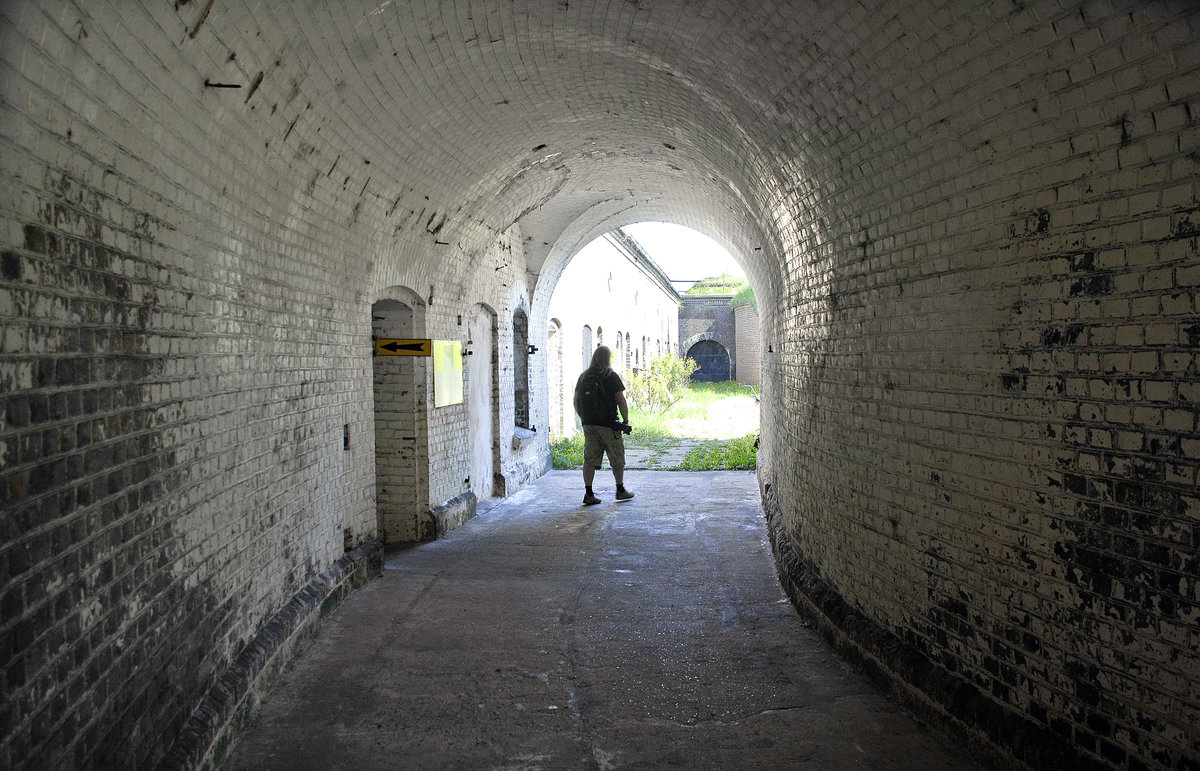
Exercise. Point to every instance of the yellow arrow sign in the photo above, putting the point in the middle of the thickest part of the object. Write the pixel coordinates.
(391, 346)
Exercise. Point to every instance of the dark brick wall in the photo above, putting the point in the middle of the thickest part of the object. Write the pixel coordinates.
(708, 317)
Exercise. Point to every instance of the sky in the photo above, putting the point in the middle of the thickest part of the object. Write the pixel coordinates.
(685, 255)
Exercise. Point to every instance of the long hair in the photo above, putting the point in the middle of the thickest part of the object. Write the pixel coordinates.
(601, 359)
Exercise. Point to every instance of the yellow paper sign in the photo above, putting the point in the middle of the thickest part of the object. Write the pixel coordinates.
(447, 372)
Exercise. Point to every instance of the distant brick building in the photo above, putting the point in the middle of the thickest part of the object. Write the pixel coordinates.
(723, 340)
(706, 334)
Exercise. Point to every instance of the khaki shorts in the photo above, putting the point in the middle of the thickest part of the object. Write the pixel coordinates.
(597, 441)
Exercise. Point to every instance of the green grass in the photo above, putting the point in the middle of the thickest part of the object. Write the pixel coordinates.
(722, 284)
(742, 296)
(728, 456)
(568, 451)
(726, 409)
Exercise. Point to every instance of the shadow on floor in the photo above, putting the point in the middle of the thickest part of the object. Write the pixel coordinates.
(542, 634)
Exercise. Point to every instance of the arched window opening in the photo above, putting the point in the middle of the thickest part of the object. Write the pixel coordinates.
(521, 369)
(587, 346)
(554, 375)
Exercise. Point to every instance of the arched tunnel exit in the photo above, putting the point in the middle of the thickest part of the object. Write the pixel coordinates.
(971, 231)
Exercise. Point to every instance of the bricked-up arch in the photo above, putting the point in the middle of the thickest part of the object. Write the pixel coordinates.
(971, 230)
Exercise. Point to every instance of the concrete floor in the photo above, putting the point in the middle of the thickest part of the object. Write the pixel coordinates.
(645, 634)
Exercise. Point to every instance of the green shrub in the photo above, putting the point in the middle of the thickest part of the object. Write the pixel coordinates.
(660, 385)
(568, 451)
(745, 294)
(725, 283)
(656, 433)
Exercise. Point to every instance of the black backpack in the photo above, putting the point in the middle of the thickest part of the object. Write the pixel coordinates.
(592, 400)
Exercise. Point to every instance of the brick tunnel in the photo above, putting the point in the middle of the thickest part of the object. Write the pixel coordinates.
(972, 229)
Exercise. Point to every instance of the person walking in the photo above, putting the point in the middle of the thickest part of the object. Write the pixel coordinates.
(599, 396)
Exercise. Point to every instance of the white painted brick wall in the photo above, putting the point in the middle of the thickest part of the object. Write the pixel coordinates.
(980, 466)
(749, 343)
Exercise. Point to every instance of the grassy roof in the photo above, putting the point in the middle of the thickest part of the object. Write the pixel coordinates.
(744, 294)
(723, 284)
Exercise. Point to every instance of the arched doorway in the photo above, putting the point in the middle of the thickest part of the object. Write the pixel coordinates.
(712, 359)
(401, 472)
(554, 375)
(482, 403)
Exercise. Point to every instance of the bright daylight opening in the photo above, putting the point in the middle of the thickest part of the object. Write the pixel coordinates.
(682, 323)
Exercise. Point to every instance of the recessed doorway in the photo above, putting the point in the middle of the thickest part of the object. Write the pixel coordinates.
(401, 426)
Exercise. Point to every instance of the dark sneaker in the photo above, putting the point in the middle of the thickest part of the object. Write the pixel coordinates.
(624, 495)
(590, 500)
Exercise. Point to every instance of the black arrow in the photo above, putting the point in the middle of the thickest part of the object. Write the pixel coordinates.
(394, 347)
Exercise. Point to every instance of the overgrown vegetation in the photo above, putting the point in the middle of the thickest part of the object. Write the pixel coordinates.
(744, 294)
(717, 421)
(726, 284)
(732, 455)
(661, 385)
(723, 284)
(568, 451)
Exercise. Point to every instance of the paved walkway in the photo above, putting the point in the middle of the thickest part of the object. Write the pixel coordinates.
(542, 634)
(639, 458)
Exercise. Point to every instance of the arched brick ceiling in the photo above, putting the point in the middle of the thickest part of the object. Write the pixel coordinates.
(572, 118)
(489, 112)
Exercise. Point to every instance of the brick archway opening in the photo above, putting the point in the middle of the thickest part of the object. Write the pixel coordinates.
(713, 361)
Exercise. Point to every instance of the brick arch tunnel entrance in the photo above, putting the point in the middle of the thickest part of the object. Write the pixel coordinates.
(971, 233)
(712, 361)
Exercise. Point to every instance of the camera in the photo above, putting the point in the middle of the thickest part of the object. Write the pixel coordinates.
(626, 428)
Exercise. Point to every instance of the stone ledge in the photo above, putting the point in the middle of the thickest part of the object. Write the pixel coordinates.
(1001, 737)
(224, 711)
(522, 438)
(453, 513)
